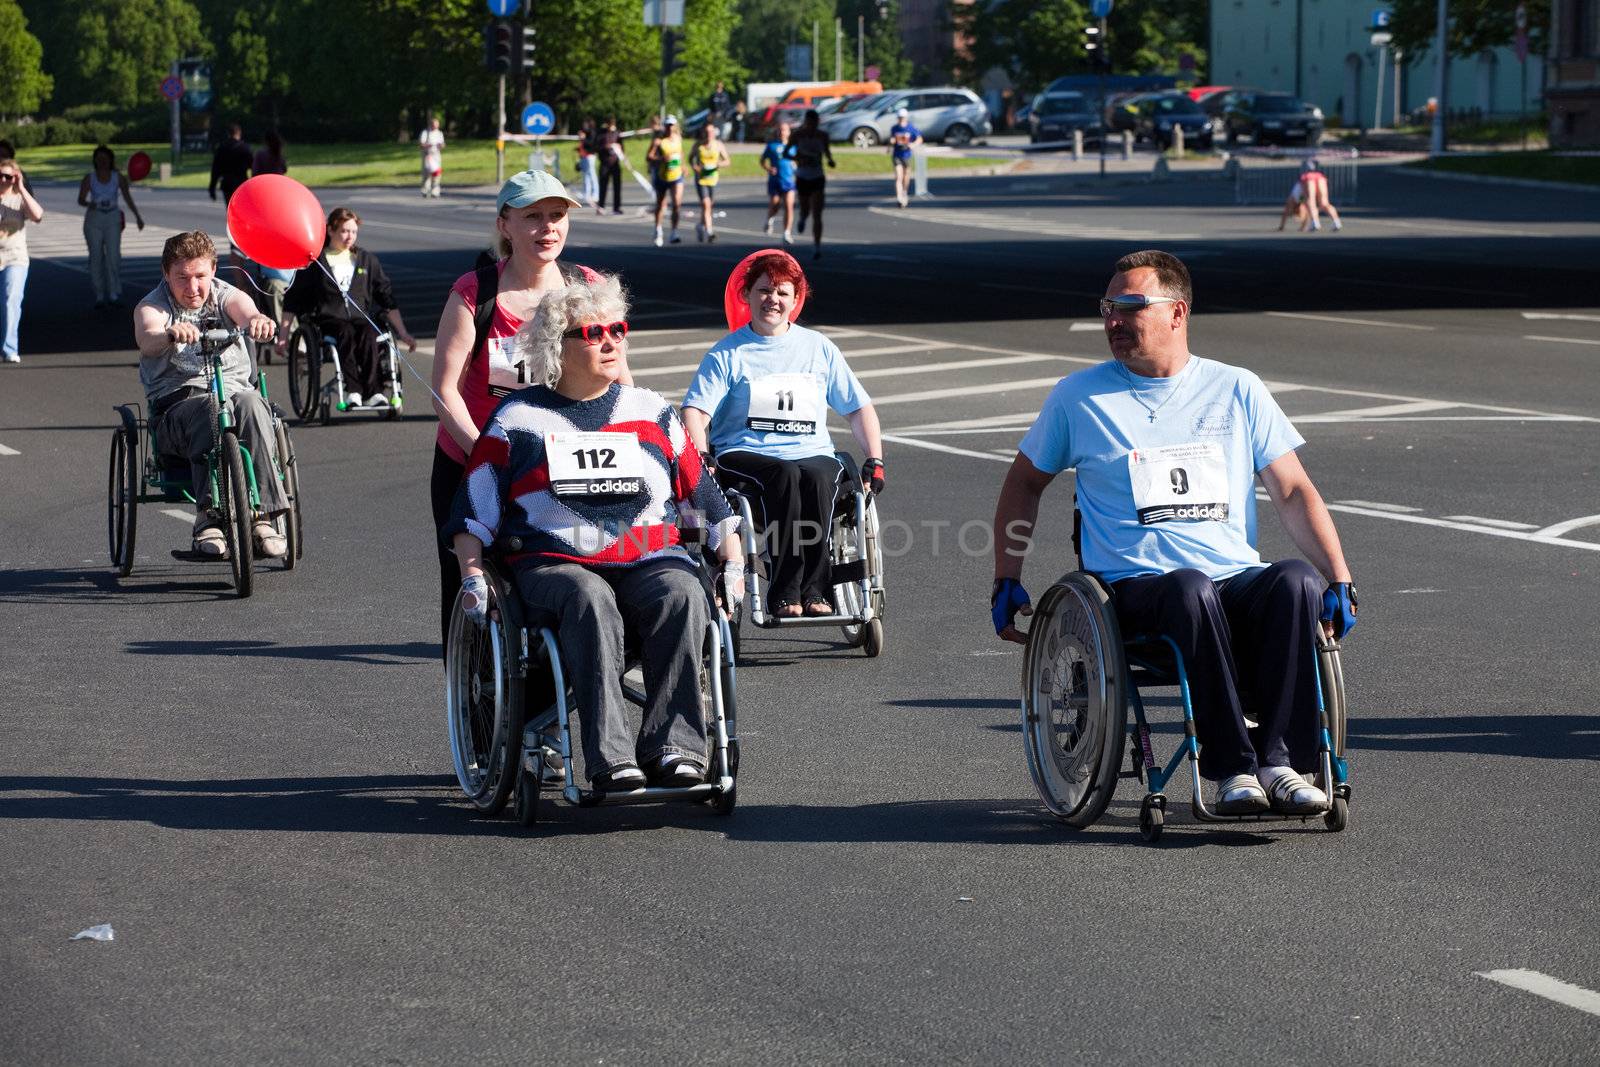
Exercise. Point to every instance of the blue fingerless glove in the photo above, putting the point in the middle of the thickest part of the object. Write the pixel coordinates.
(1339, 607)
(1007, 597)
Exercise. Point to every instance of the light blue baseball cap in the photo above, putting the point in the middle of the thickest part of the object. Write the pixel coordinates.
(530, 186)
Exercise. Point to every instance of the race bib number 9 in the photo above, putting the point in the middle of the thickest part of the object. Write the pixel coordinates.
(783, 403)
(507, 371)
(594, 464)
(1187, 483)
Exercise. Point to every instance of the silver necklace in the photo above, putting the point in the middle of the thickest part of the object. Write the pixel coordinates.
(1133, 389)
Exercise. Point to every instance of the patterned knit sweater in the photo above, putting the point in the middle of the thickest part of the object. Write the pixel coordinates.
(602, 482)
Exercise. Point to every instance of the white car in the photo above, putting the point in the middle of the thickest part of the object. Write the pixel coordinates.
(952, 115)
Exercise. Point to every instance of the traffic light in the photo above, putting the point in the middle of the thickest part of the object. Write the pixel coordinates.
(527, 45)
(1094, 47)
(499, 47)
(671, 52)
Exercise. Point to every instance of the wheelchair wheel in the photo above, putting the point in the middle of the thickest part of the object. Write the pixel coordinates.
(235, 508)
(1074, 702)
(483, 700)
(289, 522)
(527, 798)
(1331, 673)
(305, 374)
(872, 639)
(847, 597)
(122, 499)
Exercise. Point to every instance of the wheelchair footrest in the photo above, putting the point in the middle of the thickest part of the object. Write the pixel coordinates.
(189, 555)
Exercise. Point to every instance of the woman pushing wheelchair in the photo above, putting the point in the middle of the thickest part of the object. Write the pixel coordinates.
(585, 481)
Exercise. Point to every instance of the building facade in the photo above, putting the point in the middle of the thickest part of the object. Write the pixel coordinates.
(1322, 51)
(1574, 73)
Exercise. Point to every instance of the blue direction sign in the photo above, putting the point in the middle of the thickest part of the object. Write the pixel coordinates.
(501, 8)
(537, 118)
(1100, 8)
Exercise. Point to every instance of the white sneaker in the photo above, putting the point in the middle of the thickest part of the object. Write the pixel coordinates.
(377, 400)
(766, 227)
(12, 357)
(788, 238)
(1291, 794)
(269, 542)
(658, 241)
(1241, 795)
(353, 399)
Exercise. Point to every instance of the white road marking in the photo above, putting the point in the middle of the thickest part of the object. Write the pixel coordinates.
(932, 446)
(1568, 316)
(690, 368)
(1419, 590)
(1542, 985)
(1347, 320)
(179, 514)
(6, 451)
(1515, 535)
(1560, 340)
(970, 390)
(1033, 227)
(1504, 524)
(964, 364)
(1375, 506)
(1561, 529)
(1086, 327)
(1414, 407)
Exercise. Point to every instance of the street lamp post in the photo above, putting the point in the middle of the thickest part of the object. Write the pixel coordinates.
(1440, 61)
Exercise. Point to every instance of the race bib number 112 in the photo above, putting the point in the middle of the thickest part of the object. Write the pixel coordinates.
(594, 464)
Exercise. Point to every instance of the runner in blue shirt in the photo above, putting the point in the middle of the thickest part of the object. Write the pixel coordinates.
(778, 160)
(903, 140)
(1166, 447)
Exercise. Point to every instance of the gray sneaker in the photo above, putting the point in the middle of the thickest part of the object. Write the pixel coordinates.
(1241, 795)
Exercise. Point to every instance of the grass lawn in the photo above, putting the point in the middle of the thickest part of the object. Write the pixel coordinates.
(465, 162)
(1541, 166)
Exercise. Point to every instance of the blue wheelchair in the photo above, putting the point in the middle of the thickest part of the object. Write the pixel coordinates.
(1079, 678)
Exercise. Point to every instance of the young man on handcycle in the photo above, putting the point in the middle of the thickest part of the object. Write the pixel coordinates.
(1166, 447)
(175, 372)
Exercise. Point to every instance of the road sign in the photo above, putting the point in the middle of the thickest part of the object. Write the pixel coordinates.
(1100, 8)
(538, 119)
(1381, 38)
(172, 87)
(1380, 20)
(663, 12)
(501, 8)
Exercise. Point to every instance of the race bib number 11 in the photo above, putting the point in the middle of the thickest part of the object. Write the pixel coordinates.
(508, 371)
(594, 464)
(783, 403)
(1179, 483)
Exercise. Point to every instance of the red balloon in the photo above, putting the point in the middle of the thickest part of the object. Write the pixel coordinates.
(276, 221)
(733, 302)
(138, 166)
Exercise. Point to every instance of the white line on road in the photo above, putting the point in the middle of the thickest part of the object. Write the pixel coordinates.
(970, 390)
(1349, 321)
(1504, 524)
(1086, 327)
(1560, 340)
(179, 514)
(1414, 407)
(1561, 529)
(949, 449)
(1542, 985)
(1379, 507)
(5, 451)
(964, 364)
(690, 368)
(1568, 316)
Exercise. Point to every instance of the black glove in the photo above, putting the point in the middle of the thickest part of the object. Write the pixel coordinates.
(709, 462)
(872, 475)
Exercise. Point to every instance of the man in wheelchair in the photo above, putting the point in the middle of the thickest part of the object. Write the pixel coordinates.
(1166, 446)
(175, 373)
(592, 478)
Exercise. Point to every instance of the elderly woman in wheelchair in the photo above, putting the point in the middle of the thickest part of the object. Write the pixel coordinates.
(759, 402)
(581, 495)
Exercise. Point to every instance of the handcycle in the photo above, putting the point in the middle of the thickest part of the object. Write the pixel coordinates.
(855, 552)
(510, 709)
(141, 473)
(310, 351)
(1079, 678)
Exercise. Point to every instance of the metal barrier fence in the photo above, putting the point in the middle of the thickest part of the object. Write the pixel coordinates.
(1265, 176)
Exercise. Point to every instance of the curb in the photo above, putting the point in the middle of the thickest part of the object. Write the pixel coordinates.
(1489, 179)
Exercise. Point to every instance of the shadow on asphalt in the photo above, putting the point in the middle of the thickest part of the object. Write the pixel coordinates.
(83, 586)
(372, 654)
(1552, 737)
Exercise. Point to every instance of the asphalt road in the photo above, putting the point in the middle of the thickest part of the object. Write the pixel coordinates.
(257, 794)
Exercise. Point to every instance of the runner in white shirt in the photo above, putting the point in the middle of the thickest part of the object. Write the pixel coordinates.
(432, 144)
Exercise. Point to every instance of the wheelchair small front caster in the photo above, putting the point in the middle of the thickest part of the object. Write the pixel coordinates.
(1152, 818)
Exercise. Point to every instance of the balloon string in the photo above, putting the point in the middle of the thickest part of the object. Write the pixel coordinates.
(393, 344)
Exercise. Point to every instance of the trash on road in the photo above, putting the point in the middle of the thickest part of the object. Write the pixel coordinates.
(103, 932)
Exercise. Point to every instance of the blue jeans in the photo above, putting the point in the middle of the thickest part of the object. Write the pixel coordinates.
(12, 281)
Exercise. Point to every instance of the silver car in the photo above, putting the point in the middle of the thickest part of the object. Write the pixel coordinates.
(952, 115)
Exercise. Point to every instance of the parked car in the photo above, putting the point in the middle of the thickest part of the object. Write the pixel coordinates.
(1156, 115)
(1053, 117)
(1122, 111)
(949, 114)
(1200, 91)
(765, 125)
(1269, 117)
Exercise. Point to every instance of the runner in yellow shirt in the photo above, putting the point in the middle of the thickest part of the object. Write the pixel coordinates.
(666, 158)
(710, 155)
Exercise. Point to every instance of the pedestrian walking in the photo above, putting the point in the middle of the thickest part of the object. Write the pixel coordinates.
(587, 165)
(230, 164)
(778, 161)
(99, 195)
(903, 141)
(269, 159)
(17, 209)
(719, 107)
(736, 131)
(665, 156)
(608, 149)
(431, 144)
(710, 155)
(811, 147)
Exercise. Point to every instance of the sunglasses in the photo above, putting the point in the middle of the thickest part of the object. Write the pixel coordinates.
(7, 178)
(1132, 303)
(594, 332)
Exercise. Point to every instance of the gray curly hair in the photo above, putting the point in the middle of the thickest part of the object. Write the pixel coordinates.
(580, 302)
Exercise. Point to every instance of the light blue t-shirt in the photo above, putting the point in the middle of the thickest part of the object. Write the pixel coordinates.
(1158, 495)
(772, 394)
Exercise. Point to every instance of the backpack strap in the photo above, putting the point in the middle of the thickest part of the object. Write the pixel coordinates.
(483, 311)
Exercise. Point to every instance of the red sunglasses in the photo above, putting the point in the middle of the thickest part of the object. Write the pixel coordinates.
(594, 332)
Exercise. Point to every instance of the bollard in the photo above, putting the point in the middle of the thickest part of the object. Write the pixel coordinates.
(919, 173)
(166, 172)
(1177, 142)
(1077, 146)
(1127, 145)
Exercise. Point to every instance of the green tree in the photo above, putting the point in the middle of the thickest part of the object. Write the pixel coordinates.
(24, 86)
(767, 28)
(1475, 25)
(120, 49)
(707, 30)
(885, 48)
